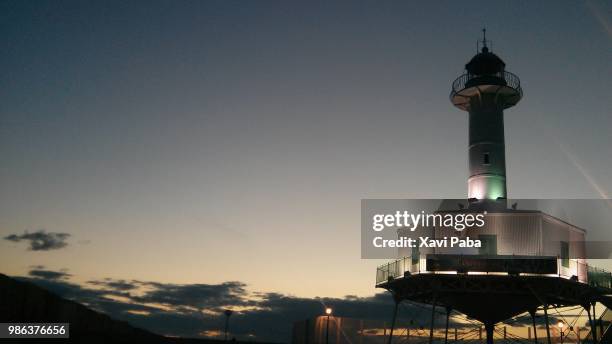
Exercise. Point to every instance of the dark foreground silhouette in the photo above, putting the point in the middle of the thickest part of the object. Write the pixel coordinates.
(22, 301)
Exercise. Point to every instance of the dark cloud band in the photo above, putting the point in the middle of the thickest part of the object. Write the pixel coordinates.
(41, 240)
(190, 310)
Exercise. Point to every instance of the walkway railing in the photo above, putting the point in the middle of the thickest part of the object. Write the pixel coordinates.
(599, 277)
(566, 268)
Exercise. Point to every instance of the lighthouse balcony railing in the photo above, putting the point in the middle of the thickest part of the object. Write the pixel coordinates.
(502, 78)
(574, 269)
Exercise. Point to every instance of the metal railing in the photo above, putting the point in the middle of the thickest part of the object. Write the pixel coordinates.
(503, 78)
(395, 269)
(591, 275)
(599, 277)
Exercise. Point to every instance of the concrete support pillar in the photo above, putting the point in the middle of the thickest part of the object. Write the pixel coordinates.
(535, 331)
(489, 327)
(393, 321)
(595, 321)
(547, 324)
(592, 323)
(433, 316)
(528, 332)
(448, 310)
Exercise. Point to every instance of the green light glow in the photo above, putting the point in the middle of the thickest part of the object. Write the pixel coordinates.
(487, 187)
(495, 188)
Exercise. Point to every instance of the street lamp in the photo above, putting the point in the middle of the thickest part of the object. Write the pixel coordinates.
(328, 311)
(560, 325)
(227, 313)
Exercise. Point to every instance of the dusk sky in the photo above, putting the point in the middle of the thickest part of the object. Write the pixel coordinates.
(186, 142)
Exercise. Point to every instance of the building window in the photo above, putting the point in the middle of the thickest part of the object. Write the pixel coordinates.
(415, 255)
(488, 244)
(565, 254)
(486, 159)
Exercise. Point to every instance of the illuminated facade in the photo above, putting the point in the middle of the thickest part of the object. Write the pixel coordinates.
(513, 242)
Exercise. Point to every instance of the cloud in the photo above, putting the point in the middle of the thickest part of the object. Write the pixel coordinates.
(195, 295)
(40, 272)
(41, 240)
(115, 285)
(193, 310)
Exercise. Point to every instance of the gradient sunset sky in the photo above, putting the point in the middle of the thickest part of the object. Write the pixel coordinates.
(211, 141)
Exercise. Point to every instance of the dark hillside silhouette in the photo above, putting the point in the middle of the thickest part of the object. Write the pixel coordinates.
(22, 301)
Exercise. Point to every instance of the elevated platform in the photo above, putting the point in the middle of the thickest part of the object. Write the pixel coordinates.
(492, 289)
(492, 298)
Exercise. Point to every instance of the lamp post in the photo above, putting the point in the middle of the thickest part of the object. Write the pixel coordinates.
(227, 313)
(560, 325)
(328, 312)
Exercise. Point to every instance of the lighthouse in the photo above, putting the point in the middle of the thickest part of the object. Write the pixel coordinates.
(485, 91)
(529, 262)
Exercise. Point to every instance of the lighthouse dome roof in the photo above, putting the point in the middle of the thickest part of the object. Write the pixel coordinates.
(484, 63)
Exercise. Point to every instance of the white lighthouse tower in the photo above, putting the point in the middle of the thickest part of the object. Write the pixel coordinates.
(484, 91)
